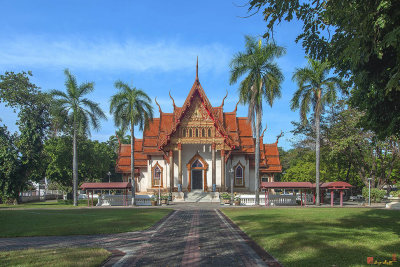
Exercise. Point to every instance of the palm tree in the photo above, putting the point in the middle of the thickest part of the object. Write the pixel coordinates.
(318, 90)
(130, 107)
(72, 108)
(263, 79)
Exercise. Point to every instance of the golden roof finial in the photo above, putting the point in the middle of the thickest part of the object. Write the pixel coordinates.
(197, 69)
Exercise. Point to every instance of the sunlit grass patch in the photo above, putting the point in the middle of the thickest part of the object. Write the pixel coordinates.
(322, 236)
(54, 257)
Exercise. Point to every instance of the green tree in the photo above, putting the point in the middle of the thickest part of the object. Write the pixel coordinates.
(263, 79)
(360, 151)
(318, 90)
(361, 40)
(10, 167)
(17, 92)
(95, 160)
(131, 107)
(74, 109)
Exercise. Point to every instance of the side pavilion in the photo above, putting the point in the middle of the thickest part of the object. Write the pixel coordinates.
(123, 186)
(332, 186)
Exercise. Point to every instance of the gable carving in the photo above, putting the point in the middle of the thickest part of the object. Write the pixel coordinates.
(196, 113)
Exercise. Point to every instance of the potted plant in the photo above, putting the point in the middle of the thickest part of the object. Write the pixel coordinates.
(164, 199)
(225, 198)
(153, 200)
(237, 201)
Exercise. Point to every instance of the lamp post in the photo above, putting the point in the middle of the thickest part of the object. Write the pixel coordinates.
(159, 193)
(109, 175)
(369, 191)
(231, 174)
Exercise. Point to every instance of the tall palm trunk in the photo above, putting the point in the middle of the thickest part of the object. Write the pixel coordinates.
(257, 155)
(317, 147)
(75, 167)
(133, 165)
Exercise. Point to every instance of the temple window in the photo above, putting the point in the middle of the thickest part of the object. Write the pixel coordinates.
(184, 132)
(197, 164)
(239, 176)
(197, 132)
(209, 132)
(190, 132)
(203, 133)
(157, 175)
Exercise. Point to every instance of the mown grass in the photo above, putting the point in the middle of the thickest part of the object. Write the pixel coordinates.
(322, 236)
(54, 257)
(46, 222)
(54, 204)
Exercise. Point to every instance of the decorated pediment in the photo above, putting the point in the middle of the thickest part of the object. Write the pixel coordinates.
(196, 113)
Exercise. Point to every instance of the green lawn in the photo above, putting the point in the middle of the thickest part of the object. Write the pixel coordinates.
(322, 236)
(46, 222)
(54, 257)
(46, 204)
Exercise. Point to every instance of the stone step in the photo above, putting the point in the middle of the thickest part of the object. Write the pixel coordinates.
(200, 196)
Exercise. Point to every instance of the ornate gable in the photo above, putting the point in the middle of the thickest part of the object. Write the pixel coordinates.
(197, 121)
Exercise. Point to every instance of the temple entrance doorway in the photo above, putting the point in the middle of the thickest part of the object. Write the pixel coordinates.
(197, 171)
(197, 177)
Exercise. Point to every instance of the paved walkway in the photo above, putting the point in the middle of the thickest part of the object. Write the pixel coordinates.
(187, 237)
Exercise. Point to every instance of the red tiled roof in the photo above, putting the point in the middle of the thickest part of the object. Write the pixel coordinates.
(335, 185)
(286, 185)
(236, 130)
(114, 185)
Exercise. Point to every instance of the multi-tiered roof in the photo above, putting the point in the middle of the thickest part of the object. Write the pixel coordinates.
(236, 132)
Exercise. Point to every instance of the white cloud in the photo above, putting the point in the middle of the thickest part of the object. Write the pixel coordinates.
(133, 55)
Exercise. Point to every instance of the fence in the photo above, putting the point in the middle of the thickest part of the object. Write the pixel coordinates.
(122, 200)
(32, 196)
(274, 200)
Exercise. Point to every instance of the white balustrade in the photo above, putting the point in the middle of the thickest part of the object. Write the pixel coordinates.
(122, 200)
(274, 200)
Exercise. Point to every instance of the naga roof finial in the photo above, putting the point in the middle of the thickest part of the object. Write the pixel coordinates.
(159, 108)
(236, 105)
(262, 135)
(279, 136)
(173, 101)
(223, 100)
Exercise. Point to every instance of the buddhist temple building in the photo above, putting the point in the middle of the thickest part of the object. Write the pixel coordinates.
(197, 147)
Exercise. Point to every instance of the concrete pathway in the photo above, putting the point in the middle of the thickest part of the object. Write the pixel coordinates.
(189, 236)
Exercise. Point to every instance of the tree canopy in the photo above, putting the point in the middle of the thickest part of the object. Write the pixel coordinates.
(22, 152)
(361, 39)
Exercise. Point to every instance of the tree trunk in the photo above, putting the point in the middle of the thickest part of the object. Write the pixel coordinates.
(75, 167)
(317, 151)
(133, 165)
(257, 156)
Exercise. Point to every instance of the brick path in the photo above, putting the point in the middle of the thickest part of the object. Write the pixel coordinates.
(188, 237)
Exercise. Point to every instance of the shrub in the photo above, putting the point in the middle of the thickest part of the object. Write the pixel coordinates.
(395, 193)
(225, 196)
(376, 194)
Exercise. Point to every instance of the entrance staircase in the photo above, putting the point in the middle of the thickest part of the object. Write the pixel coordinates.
(201, 196)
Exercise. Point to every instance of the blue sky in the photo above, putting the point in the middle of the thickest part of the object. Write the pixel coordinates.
(152, 45)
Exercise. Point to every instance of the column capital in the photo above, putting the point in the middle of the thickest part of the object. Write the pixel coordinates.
(179, 146)
(213, 146)
(171, 153)
(222, 153)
